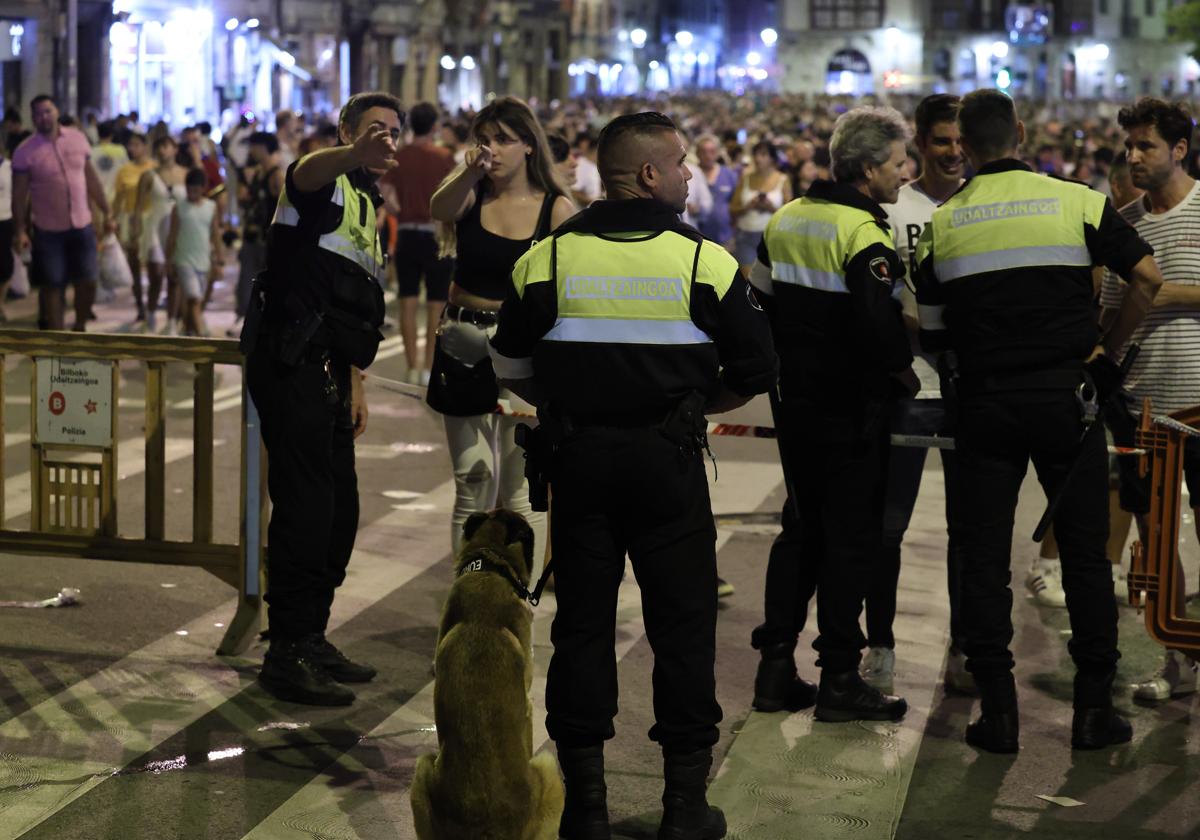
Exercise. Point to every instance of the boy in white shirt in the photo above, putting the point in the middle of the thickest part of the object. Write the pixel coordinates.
(193, 247)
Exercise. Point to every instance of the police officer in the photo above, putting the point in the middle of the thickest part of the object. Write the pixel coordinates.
(830, 266)
(1005, 282)
(319, 328)
(625, 328)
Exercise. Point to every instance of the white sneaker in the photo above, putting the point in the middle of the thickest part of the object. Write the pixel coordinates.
(878, 668)
(172, 327)
(1177, 677)
(425, 376)
(958, 679)
(1120, 586)
(1045, 582)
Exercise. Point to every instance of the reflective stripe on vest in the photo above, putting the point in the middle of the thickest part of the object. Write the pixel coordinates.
(627, 331)
(812, 240)
(353, 239)
(969, 264)
(983, 228)
(629, 290)
(798, 275)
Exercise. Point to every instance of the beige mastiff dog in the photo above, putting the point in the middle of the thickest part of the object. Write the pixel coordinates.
(485, 783)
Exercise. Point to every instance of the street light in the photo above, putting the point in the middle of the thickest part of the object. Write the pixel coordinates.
(447, 63)
(468, 63)
(753, 58)
(1000, 49)
(638, 37)
(683, 38)
(1100, 52)
(232, 24)
(769, 36)
(252, 23)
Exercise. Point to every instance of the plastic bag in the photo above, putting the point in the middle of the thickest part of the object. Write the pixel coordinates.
(114, 268)
(18, 286)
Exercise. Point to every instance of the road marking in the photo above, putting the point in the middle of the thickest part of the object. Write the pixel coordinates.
(52, 756)
(786, 771)
(327, 807)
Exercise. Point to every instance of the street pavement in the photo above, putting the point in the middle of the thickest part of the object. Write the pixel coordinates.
(119, 721)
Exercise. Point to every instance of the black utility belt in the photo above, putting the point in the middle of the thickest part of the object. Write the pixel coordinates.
(1052, 379)
(478, 317)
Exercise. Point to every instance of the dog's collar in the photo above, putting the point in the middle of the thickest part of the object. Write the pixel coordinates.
(485, 560)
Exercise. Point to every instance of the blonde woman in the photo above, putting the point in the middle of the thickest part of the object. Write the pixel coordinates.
(506, 196)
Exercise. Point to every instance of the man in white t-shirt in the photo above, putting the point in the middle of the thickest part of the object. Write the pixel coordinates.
(942, 162)
(587, 187)
(1167, 369)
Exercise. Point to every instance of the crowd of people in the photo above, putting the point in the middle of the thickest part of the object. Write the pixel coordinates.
(466, 198)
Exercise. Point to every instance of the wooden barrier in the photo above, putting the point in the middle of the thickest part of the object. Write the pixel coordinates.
(1155, 572)
(74, 499)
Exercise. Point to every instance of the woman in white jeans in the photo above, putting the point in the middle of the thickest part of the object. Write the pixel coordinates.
(505, 197)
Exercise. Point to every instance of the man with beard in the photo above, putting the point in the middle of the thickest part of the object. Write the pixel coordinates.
(1168, 368)
(323, 304)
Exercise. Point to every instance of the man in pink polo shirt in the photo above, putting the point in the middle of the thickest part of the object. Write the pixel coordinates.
(53, 182)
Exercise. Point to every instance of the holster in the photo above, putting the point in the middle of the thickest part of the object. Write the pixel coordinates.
(295, 334)
(539, 443)
(947, 368)
(252, 324)
(686, 426)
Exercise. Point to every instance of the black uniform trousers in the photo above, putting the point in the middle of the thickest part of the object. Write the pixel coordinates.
(837, 464)
(313, 487)
(618, 491)
(997, 435)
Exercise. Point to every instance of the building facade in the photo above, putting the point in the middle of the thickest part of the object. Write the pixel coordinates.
(1042, 50)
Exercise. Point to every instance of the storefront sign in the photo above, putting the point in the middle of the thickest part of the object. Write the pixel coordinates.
(74, 401)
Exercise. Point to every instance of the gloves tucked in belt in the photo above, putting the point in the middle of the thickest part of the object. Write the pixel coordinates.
(464, 342)
(1106, 376)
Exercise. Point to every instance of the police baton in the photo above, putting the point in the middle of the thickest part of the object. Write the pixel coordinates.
(781, 440)
(1043, 526)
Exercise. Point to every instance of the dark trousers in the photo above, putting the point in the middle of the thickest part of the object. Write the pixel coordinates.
(838, 469)
(998, 435)
(313, 488)
(618, 491)
(905, 466)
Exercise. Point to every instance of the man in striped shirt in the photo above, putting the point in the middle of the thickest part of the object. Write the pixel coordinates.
(1168, 368)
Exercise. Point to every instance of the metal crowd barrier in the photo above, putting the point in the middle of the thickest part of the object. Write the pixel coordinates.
(1155, 572)
(74, 398)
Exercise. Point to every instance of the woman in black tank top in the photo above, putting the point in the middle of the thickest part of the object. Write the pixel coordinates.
(504, 198)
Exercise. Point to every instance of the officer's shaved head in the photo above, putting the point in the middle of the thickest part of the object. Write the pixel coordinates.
(988, 123)
(623, 147)
(642, 155)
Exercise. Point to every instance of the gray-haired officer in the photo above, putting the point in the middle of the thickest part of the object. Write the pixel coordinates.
(829, 266)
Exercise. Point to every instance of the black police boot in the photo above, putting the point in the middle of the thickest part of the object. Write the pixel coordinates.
(777, 686)
(289, 673)
(1096, 724)
(686, 812)
(845, 696)
(337, 665)
(585, 814)
(998, 727)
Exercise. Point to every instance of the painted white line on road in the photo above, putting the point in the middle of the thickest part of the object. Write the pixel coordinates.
(784, 772)
(52, 755)
(327, 807)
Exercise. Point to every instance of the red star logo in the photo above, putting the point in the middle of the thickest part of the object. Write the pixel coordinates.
(90, 406)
